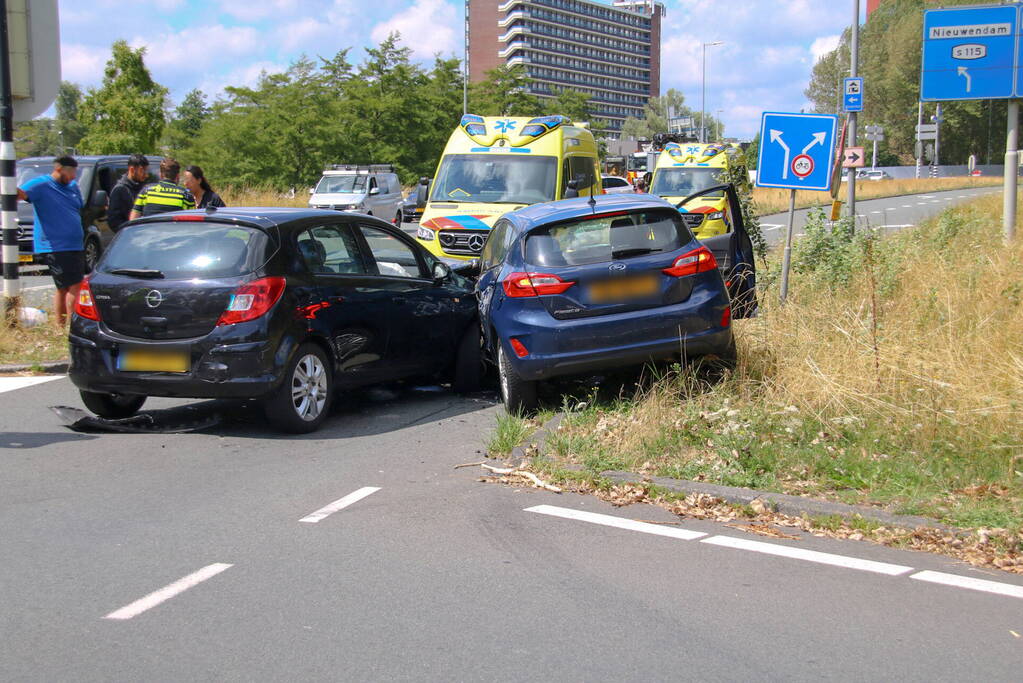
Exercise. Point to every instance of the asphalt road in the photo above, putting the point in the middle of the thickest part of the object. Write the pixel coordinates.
(892, 213)
(429, 574)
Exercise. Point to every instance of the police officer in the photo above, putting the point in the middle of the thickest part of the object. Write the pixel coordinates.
(165, 195)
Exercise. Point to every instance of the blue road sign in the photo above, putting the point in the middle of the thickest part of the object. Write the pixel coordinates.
(853, 98)
(970, 53)
(797, 151)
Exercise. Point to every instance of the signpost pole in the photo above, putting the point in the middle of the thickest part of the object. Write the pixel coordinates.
(920, 143)
(1011, 172)
(854, 58)
(8, 179)
(787, 256)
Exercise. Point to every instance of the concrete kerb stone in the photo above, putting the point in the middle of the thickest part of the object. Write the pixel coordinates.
(56, 367)
(537, 440)
(795, 506)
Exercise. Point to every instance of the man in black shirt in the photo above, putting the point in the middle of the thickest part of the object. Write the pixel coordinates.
(123, 194)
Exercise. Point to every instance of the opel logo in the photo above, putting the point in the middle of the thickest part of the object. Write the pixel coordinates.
(476, 242)
(616, 267)
(154, 298)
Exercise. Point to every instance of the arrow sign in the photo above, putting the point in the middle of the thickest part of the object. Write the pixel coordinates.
(818, 139)
(776, 137)
(963, 72)
(853, 157)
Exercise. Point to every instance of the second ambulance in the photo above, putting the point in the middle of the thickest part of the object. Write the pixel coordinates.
(684, 169)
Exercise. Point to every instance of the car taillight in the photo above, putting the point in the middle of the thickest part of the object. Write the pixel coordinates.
(197, 218)
(85, 306)
(534, 284)
(252, 300)
(697, 261)
(518, 347)
(726, 317)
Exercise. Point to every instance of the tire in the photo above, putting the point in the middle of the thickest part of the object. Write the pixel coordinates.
(519, 395)
(468, 374)
(303, 400)
(93, 251)
(112, 406)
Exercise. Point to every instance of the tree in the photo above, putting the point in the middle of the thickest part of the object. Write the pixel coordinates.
(571, 103)
(186, 122)
(36, 138)
(504, 93)
(655, 117)
(68, 128)
(126, 113)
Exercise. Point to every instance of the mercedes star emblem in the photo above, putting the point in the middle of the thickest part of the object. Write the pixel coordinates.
(476, 242)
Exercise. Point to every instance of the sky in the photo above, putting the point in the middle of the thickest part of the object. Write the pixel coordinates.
(764, 64)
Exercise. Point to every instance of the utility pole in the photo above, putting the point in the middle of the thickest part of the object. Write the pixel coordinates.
(919, 142)
(854, 53)
(465, 65)
(8, 188)
(703, 96)
(1011, 172)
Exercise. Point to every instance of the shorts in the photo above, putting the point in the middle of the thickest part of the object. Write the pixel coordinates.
(66, 267)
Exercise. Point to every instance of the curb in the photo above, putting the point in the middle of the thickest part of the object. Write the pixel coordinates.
(795, 506)
(56, 367)
(538, 439)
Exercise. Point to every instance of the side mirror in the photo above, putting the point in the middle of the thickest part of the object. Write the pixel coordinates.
(422, 192)
(374, 190)
(99, 199)
(441, 272)
(312, 190)
(573, 189)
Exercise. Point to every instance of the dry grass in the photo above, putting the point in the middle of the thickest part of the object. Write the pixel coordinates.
(255, 196)
(770, 201)
(901, 386)
(32, 344)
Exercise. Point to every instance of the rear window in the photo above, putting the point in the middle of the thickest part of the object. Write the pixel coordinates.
(607, 238)
(186, 250)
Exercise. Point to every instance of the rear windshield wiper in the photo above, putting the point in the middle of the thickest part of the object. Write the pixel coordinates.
(147, 273)
(625, 253)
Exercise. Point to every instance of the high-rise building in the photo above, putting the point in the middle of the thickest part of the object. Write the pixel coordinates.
(609, 51)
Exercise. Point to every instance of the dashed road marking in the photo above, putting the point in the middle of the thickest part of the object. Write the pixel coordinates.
(13, 383)
(927, 196)
(167, 592)
(617, 522)
(907, 206)
(875, 212)
(339, 504)
(970, 583)
(808, 555)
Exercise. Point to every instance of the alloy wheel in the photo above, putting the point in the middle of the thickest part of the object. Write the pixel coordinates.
(309, 387)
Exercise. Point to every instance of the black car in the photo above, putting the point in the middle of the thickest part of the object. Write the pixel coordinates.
(97, 175)
(410, 209)
(282, 305)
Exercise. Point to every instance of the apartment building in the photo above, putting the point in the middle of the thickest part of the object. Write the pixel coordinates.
(610, 51)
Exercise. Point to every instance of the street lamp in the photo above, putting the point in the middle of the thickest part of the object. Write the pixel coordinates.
(703, 88)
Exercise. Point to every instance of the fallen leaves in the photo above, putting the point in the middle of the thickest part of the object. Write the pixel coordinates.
(762, 530)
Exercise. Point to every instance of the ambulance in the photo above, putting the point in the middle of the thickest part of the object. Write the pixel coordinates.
(683, 169)
(496, 164)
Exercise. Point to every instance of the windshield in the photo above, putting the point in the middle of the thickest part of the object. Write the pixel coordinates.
(342, 184)
(607, 238)
(496, 179)
(682, 182)
(186, 250)
(27, 172)
(637, 163)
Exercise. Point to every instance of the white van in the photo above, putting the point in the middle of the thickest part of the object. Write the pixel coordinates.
(373, 190)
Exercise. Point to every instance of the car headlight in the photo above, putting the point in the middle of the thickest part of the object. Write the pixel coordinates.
(716, 216)
(425, 234)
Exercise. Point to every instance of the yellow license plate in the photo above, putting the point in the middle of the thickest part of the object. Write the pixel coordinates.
(25, 258)
(623, 289)
(137, 360)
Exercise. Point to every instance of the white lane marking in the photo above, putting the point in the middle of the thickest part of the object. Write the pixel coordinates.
(36, 288)
(935, 201)
(618, 522)
(947, 199)
(12, 383)
(956, 581)
(808, 555)
(907, 206)
(927, 196)
(899, 225)
(875, 212)
(167, 592)
(339, 504)
(920, 203)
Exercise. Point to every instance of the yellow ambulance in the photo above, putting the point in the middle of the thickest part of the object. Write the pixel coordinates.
(683, 169)
(496, 164)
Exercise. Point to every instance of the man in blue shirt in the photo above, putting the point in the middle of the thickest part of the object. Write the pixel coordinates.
(58, 234)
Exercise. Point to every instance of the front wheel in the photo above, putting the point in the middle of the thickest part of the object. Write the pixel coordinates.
(302, 402)
(519, 394)
(112, 406)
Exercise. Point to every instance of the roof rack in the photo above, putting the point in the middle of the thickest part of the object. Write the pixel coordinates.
(362, 168)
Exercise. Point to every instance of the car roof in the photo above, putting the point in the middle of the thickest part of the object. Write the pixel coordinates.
(566, 209)
(262, 216)
(87, 159)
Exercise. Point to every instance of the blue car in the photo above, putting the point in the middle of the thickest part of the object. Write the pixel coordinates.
(583, 285)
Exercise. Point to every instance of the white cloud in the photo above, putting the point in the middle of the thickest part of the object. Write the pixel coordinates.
(427, 27)
(253, 10)
(823, 46)
(83, 64)
(246, 76)
(195, 49)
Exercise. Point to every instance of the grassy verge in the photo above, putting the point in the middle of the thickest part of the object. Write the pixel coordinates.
(31, 344)
(770, 201)
(893, 377)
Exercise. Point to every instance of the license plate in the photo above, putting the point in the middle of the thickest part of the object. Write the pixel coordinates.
(141, 360)
(623, 289)
(24, 258)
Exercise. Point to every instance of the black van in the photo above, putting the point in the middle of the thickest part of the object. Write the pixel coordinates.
(97, 175)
